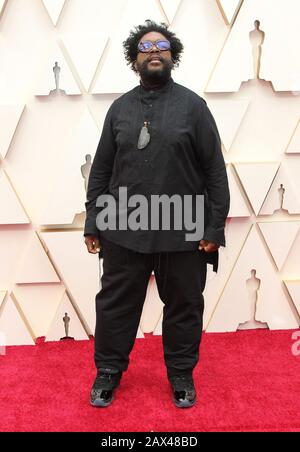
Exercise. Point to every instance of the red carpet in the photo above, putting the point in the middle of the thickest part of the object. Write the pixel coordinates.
(245, 381)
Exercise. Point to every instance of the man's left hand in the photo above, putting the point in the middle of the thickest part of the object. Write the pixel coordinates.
(209, 247)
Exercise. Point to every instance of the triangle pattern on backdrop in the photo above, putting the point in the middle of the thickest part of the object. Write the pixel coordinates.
(85, 51)
(229, 125)
(279, 236)
(2, 296)
(236, 233)
(82, 281)
(57, 328)
(67, 200)
(110, 81)
(45, 83)
(238, 205)
(294, 145)
(263, 174)
(290, 185)
(11, 314)
(122, 78)
(2, 6)
(235, 304)
(54, 9)
(170, 8)
(229, 9)
(10, 116)
(11, 211)
(39, 303)
(294, 290)
(40, 269)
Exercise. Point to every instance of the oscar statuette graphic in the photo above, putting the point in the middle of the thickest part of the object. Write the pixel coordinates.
(66, 320)
(85, 170)
(56, 70)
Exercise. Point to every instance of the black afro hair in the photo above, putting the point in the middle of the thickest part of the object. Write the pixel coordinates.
(131, 44)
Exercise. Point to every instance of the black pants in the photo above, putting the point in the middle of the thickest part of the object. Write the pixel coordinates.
(180, 278)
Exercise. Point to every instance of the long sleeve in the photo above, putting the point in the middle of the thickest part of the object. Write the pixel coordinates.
(217, 200)
(100, 174)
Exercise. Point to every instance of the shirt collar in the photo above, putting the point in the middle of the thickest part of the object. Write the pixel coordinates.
(164, 88)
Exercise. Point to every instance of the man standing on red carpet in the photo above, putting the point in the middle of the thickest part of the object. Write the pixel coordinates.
(159, 141)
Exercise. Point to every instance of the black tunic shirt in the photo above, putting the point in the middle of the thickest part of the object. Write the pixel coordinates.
(184, 156)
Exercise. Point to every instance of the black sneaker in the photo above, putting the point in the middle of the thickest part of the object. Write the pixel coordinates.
(102, 393)
(184, 393)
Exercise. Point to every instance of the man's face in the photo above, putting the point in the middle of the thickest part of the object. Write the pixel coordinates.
(155, 65)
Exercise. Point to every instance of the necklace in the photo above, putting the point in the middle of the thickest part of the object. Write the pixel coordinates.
(144, 137)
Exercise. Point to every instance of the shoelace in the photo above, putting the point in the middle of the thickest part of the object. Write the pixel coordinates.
(103, 377)
(103, 381)
(182, 377)
(182, 382)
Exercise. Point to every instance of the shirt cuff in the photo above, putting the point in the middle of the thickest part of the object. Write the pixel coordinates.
(90, 228)
(216, 236)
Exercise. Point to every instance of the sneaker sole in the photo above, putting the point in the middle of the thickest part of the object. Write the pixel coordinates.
(101, 403)
(184, 403)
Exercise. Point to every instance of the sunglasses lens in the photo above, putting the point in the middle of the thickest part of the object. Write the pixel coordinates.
(163, 45)
(145, 46)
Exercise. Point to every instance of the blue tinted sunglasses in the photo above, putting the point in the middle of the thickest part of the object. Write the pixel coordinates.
(147, 46)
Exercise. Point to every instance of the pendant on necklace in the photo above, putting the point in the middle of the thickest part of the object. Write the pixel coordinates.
(144, 137)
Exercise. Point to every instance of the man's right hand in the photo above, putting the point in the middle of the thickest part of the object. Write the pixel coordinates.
(92, 243)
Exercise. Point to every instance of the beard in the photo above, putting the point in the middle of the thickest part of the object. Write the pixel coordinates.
(155, 76)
